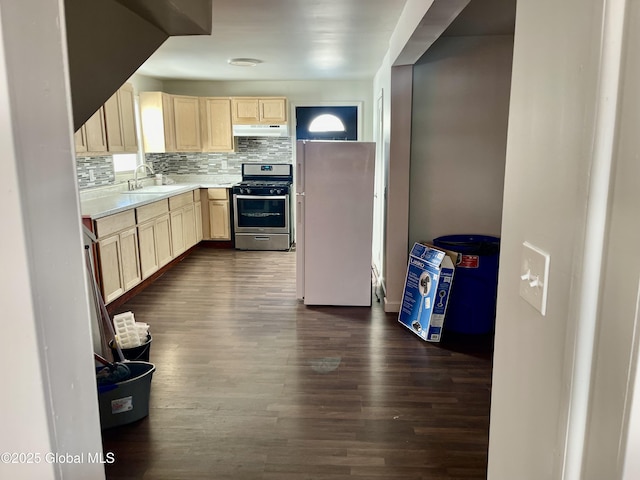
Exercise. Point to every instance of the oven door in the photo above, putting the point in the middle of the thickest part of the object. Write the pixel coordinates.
(261, 213)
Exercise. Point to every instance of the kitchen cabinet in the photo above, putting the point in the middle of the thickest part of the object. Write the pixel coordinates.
(134, 244)
(118, 257)
(215, 118)
(197, 204)
(186, 111)
(183, 222)
(130, 258)
(219, 218)
(158, 126)
(154, 237)
(80, 138)
(258, 110)
(91, 138)
(120, 121)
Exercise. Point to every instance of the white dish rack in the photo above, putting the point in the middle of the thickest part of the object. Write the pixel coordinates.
(129, 333)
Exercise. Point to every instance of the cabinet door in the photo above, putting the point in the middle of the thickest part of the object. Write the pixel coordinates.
(110, 268)
(95, 133)
(245, 110)
(217, 135)
(219, 220)
(128, 118)
(189, 225)
(113, 122)
(130, 258)
(198, 209)
(187, 123)
(148, 254)
(168, 122)
(177, 232)
(163, 240)
(273, 110)
(80, 138)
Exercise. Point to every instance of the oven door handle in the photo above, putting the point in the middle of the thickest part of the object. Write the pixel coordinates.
(260, 197)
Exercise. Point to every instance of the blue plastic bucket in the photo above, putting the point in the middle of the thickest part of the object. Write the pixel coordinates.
(472, 301)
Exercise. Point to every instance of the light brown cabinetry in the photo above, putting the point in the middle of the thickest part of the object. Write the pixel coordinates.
(197, 205)
(91, 138)
(219, 218)
(186, 111)
(215, 118)
(154, 237)
(183, 222)
(258, 110)
(158, 129)
(112, 129)
(118, 257)
(120, 121)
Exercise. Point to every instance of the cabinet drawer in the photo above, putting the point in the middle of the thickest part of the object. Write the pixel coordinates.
(218, 194)
(147, 212)
(114, 223)
(180, 200)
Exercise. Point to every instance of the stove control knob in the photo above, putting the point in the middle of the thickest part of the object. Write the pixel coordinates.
(279, 191)
(272, 191)
(247, 191)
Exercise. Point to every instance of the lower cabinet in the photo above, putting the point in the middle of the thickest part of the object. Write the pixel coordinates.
(189, 225)
(118, 254)
(134, 244)
(219, 218)
(154, 238)
(198, 210)
(177, 232)
(110, 263)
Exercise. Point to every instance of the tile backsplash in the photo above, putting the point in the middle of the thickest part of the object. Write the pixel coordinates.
(248, 150)
(95, 171)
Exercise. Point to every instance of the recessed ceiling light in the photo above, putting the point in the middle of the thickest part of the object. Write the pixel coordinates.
(244, 62)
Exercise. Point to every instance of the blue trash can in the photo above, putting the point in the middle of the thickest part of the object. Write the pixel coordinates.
(472, 301)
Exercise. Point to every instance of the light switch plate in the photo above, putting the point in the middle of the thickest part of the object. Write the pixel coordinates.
(534, 276)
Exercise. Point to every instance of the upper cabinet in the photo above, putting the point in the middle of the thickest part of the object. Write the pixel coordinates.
(186, 111)
(158, 128)
(91, 138)
(181, 123)
(120, 121)
(259, 110)
(112, 129)
(215, 118)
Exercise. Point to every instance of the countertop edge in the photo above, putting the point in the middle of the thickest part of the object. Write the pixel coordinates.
(129, 201)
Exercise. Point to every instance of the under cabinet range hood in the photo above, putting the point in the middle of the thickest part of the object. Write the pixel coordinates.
(260, 131)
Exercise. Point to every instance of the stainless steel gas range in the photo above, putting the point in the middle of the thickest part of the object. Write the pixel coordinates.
(262, 207)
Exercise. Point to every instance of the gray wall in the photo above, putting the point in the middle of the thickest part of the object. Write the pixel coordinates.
(460, 109)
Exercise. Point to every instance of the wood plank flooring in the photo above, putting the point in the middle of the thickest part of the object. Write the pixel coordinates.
(251, 384)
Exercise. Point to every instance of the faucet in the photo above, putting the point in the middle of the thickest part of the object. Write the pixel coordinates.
(136, 182)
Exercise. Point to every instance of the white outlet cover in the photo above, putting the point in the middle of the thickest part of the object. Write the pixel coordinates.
(534, 276)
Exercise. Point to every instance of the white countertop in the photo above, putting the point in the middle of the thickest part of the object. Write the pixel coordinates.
(99, 203)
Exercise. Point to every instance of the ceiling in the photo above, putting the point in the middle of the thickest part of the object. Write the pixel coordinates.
(295, 39)
(305, 39)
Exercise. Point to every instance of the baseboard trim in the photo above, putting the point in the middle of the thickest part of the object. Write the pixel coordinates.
(391, 307)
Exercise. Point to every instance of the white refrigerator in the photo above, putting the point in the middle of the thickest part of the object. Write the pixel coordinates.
(334, 221)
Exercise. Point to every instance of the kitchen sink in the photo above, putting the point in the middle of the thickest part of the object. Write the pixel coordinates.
(156, 189)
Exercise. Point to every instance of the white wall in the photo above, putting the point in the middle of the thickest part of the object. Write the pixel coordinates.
(550, 156)
(618, 328)
(49, 399)
(297, 92)
(460, 110)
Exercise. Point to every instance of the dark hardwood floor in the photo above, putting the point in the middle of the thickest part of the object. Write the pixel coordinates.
(251, 384)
